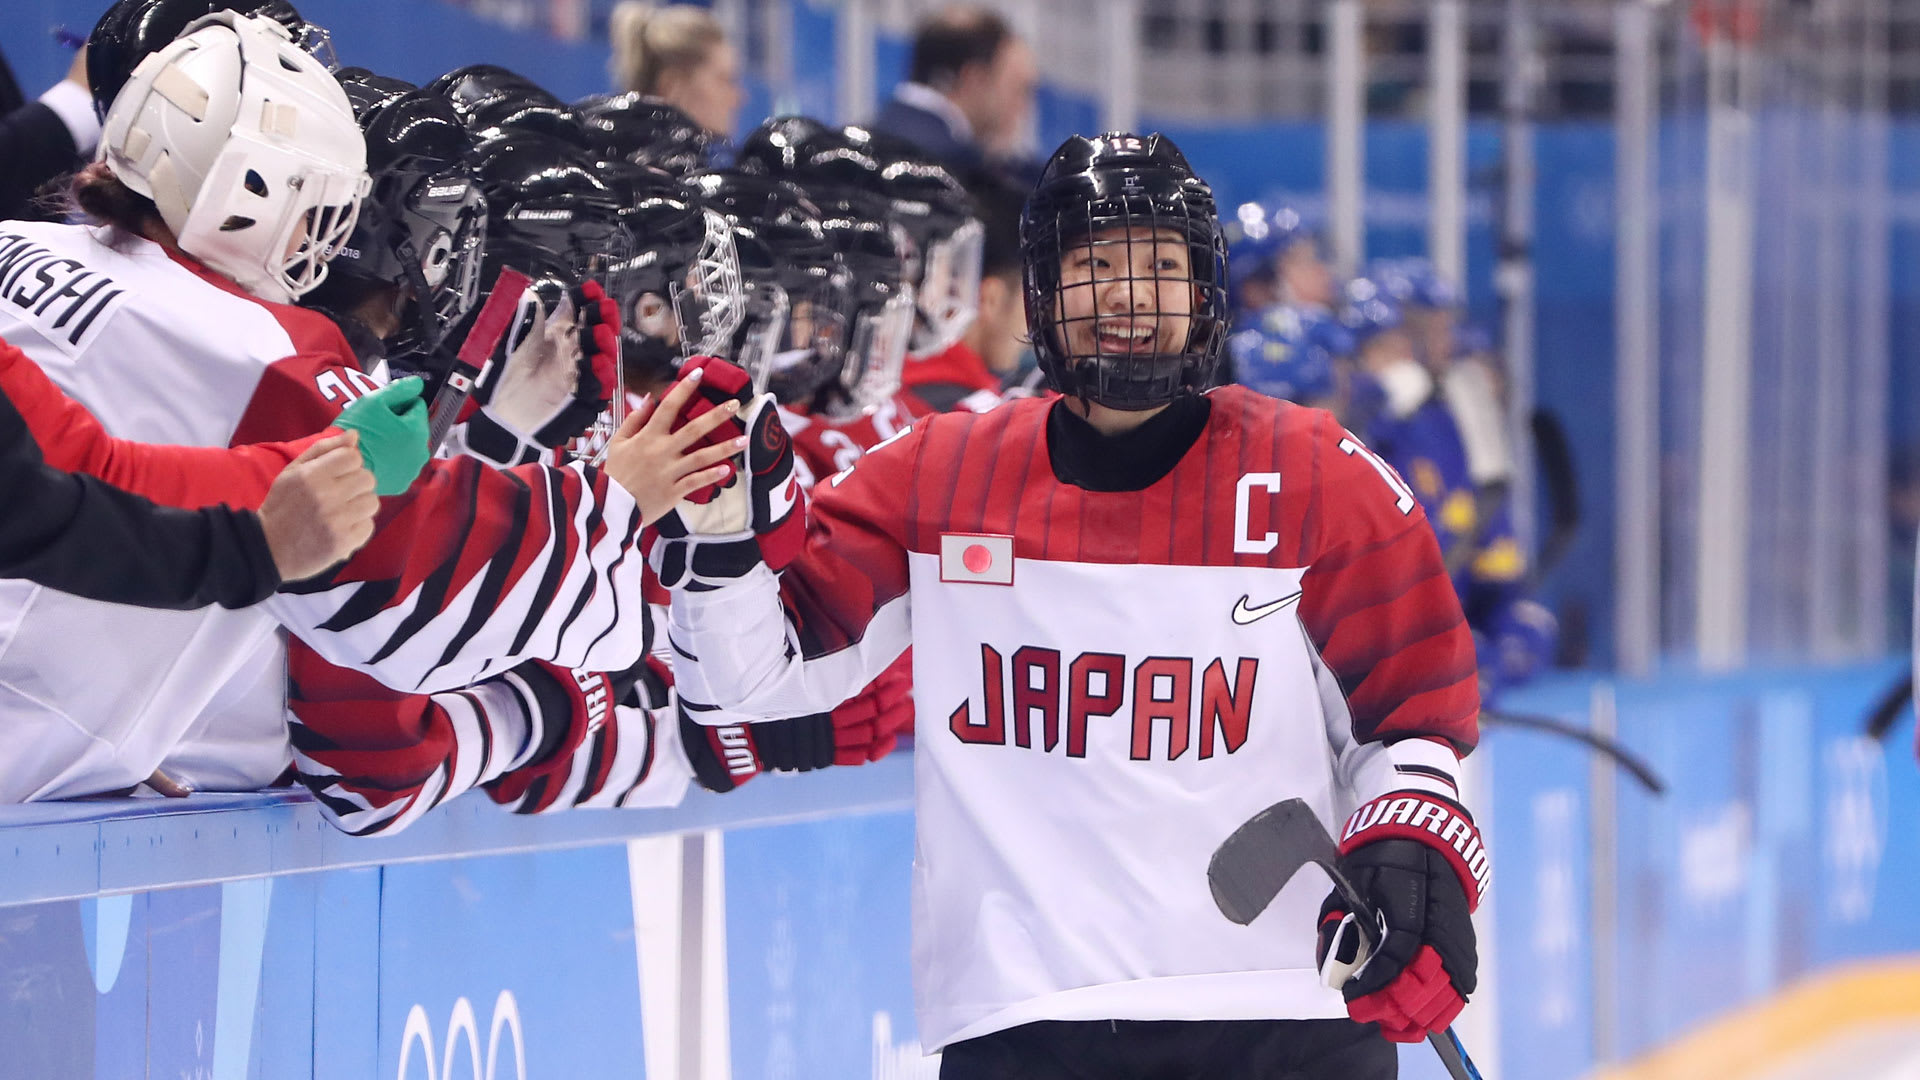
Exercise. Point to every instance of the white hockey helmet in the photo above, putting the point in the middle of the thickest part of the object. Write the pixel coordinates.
(248, 148)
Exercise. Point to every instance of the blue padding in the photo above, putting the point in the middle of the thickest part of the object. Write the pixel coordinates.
(57, 851)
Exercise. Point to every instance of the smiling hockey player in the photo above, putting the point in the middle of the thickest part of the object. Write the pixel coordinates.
(1139, 614)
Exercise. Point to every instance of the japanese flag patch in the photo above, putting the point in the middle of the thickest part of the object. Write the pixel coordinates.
(976, 558)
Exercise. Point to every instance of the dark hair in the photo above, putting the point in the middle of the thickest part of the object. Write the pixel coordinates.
(100, 195)
(953, 39)
(998, 202)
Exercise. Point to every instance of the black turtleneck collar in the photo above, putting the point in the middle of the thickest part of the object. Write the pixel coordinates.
(1130, 461)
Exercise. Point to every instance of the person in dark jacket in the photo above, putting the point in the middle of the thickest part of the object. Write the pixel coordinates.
(81, 535)
(969, 91)
(43, 138)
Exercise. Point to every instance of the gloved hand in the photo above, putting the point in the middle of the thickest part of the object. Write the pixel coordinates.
(868, 725)
(554, 372)
(723, 756)
(757, 515)
(864, 728)
(392, 422)
(1418, 859)
(565, 709)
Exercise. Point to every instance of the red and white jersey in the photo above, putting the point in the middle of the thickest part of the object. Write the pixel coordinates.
(1109, 684)
(827, 446)
(470, 571)
(956, 380)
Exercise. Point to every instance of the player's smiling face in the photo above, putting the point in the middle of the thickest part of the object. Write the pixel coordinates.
(1125, 292)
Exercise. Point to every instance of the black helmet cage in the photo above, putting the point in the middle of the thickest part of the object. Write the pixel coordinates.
(1118, 190)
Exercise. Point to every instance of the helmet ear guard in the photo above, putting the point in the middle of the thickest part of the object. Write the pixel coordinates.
(422, 226)
(1142, 189)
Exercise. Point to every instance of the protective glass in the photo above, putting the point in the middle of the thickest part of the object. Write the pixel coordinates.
(878, 352)
(949, 289)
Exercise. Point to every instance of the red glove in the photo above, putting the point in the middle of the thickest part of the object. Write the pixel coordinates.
(747, 520)
(867, 726)
(1417, 858)
(720, 382)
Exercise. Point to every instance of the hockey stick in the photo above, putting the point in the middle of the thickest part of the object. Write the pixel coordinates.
(1887, 709)
(489, 326)
(1250, 868)
(1552, 725)
(1562, 482)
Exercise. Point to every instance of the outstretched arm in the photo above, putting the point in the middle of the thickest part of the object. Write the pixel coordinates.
(802, 643)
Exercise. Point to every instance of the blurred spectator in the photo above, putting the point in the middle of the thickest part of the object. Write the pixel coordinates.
(969, 91)
(42, 139)
(679, 53)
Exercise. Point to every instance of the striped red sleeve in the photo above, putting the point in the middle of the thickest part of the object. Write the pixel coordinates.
(470, 571)
(1378, 604)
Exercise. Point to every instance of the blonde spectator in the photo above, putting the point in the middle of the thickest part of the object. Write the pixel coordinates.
(678, 52)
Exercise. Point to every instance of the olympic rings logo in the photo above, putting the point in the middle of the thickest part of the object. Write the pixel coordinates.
(461, 1026)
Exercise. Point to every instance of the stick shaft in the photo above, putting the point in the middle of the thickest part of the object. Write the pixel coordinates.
(1444, 1042)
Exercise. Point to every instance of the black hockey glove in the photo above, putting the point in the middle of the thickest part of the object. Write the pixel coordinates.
(1412, 855)
(726, 756)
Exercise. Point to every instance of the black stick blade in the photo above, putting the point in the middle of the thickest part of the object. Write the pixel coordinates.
(1251, 867)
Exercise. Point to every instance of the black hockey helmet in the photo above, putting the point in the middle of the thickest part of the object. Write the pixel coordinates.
(646, 131)
(423, 225)
(684, 292)
(948, 241)
(800, 147)
(793, 338)
(490, 98)
(548, 214)
(1119, 191)
(132, 30)
(845, 182)
(880, 310)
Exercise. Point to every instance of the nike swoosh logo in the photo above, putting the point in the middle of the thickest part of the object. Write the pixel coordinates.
(1245, 615)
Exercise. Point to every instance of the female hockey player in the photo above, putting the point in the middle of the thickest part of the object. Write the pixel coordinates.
(1139, 615)
(231, 169)
(536, 737)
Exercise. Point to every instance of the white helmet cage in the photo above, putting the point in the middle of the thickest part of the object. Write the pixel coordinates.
(712, 304)
(247, 147)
